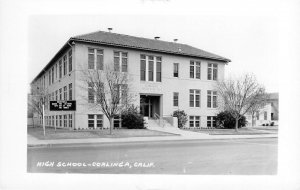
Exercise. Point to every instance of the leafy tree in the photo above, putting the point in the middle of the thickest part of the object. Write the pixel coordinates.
(132, 119)
(226, 120)
(182, 117)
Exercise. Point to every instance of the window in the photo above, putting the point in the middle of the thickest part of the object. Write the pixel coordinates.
(65, 92)
(56, 121)
(265, 115)
(195, 121)
(70, 60)
(70, 120)
(194, 98)
(60, 94)
(272, 116)
(211, 121)
(56, 71)
(49, 75)
(257, 115)
(120, 93)
(52, 120)
(150, 68)
(60, 69)
(52, 75)
(95, 59)
(56, 95)
(211, 99)
(70, 91)
(195, 69)
(91, 93)
(117, 122)
(143, 68)
(212, 71)
(65, 64)
(65, 121)
(95, 119)
(120, 61)
(158, 69)
(175, 98)
(176, 70)
(60, 120)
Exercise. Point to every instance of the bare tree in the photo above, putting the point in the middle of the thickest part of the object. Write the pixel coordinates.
(239, 96)
(36, 100)
(108, 90)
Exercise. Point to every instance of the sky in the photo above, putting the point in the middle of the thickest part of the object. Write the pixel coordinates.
(250, 41)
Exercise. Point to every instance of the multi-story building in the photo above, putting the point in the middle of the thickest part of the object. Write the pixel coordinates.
(167, 76)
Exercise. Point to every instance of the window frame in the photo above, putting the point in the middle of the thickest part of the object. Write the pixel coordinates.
(212, 71)
(176, 99)
(196, 94)
(195, 69)
(98, 55)
(176, 70)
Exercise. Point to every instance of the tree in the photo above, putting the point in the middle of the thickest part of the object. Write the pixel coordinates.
(239, 96)
(182, 117)
(108, 91)
(36, 101)
(227, 121)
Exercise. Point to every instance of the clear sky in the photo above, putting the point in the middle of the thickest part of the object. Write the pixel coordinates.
(249, 40)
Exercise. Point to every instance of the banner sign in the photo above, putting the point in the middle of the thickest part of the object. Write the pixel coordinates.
(62, 105)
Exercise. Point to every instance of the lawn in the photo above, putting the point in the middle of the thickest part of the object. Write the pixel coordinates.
(241, 131)
(71, 134)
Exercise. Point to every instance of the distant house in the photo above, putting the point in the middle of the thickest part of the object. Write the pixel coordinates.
(269, 113)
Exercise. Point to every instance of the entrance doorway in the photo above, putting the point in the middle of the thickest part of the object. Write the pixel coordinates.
(149, 105)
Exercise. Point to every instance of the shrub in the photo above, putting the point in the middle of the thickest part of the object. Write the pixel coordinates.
(272, 124)
(131, 118)
(182, 117)
(228, 121)
(263, 125)
(267, 124)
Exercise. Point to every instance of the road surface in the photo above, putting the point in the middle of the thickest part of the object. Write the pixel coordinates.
(208, 157)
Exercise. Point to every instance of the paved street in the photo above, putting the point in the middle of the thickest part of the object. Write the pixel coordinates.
(237, 157)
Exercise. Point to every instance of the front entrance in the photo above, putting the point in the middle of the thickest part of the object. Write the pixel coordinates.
(149, 105)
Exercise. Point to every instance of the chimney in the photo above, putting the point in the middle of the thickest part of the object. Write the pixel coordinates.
(156, 37)
(175, 40)
(109, 29)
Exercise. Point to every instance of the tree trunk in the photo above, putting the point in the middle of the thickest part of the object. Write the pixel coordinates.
(252, 120)
(32, 122)
(236, 124)
(111, 123)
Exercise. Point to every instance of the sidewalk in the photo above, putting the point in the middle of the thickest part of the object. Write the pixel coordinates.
(184, 135)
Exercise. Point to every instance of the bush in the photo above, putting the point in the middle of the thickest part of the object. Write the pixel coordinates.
(263, 125)
(267, 124)
(182, 117)
(131, 118)
(228, 121)
(272, 124)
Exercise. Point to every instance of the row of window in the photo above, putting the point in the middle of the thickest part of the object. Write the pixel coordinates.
(150, 66)
(96, 121)
(95, 92)
(195, 98)
(57, 71)
(194, 121)
(58, 120)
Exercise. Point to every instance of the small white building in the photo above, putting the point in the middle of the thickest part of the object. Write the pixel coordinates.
(167, 76)
(268, 114)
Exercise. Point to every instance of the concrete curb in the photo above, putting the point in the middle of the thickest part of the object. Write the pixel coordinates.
(67, 144)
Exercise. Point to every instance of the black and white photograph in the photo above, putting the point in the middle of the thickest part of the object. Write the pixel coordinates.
(149, 94)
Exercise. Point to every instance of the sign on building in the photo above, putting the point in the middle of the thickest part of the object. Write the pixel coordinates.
(62, 105)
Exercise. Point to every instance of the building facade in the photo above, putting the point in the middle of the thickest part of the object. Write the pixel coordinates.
(166, 76)
(268, 114)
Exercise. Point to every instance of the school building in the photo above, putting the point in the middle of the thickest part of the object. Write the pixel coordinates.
(167, 76)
